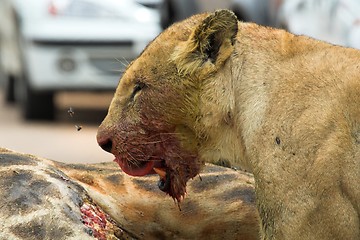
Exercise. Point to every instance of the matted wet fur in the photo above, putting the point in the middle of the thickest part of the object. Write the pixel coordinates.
(285, 107)
(43, 199)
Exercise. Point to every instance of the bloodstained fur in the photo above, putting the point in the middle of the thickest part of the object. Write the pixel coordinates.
(156, 140)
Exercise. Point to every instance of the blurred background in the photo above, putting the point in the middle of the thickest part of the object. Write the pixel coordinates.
(61, 60)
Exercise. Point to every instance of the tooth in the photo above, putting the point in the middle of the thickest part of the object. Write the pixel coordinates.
(161, 172)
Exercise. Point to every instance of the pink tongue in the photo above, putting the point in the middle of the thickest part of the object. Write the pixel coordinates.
(133, 170)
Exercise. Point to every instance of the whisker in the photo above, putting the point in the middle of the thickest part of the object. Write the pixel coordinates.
(154, 142)
(180, 157)
(124, 64)
(156, 160)
(134, 162)
(157, 141)
(126, 61)
(131, 156)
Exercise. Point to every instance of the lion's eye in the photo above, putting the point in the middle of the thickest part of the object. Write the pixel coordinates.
(138, 87)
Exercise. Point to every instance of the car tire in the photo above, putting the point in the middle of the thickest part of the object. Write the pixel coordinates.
(36, 105)
(9, 89)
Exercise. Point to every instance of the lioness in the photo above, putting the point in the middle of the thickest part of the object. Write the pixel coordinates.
(284, 107)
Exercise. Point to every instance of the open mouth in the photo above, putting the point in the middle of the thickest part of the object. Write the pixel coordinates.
(142, 168)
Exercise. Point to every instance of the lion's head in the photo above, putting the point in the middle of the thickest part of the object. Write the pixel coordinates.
(157, 119)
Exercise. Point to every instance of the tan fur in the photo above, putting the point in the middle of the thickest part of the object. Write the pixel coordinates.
(285, 107)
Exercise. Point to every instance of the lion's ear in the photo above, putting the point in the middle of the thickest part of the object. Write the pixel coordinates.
(209, 45)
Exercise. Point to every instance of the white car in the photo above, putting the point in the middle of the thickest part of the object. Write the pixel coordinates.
(334, 21)
(48, 46)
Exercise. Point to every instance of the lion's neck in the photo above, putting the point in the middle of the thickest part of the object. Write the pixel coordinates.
(220, 118)
(233, 108)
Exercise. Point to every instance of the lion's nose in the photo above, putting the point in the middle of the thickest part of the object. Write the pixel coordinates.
(104, 139)
(105, 144)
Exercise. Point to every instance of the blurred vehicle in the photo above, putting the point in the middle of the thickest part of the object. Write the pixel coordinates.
(334, 21)
(48, 46)
(155, 4)
(174, 10)
(263, 12)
